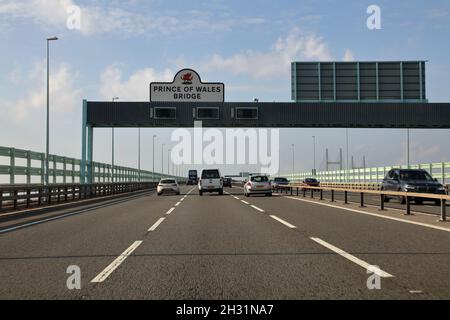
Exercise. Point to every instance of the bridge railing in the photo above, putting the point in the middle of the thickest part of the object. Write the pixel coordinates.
(28, 196)
(297, 188)
(28, 167)
(439, 170)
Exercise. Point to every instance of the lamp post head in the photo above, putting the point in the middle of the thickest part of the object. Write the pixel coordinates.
(52, 38)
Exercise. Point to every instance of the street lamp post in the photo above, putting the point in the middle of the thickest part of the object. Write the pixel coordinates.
(314, 155)
(168, 161)
(162, 159)
(407, 148)
(47, 140)
(293, 161)
(346, 143)
(139, 154)
(112, 147)
(153, 158)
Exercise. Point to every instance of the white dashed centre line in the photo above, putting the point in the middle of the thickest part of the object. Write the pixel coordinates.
(156, 225)
(244, 202)
(116, 263)
(177, 204)
(256, 208)
(287, 224)
(170, 210)
(352, 258)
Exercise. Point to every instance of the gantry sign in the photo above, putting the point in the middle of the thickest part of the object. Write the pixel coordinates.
(188, 99)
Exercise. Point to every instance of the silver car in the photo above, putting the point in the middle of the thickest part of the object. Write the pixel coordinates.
(258, 185)
(168, 186)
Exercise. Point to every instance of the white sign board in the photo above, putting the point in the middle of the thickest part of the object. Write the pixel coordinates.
(187, 87)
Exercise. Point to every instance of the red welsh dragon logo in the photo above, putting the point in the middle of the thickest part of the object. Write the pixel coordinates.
(187, 78)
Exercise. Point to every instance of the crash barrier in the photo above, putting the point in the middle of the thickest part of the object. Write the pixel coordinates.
(29, 166)
(28, 196)
(296, 189)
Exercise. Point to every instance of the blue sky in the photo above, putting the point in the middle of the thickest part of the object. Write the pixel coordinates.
(248, 45)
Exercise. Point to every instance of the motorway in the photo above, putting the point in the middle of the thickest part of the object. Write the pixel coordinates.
(220, 247)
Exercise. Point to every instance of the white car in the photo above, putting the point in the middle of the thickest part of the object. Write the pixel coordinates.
(210, 181)
(168, 186)
(258, 185)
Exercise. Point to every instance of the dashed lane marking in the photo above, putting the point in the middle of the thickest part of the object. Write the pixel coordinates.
(116, 263)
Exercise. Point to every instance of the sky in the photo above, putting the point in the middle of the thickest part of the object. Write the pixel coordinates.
(122, 46)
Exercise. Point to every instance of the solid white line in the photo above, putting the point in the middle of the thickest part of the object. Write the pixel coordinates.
(255, 207)
(170, 210)
(348, 256)
(236, 197)
(156, 225)
(116, 263)
(177, 204)
(373, 214)
(283, 222)
(244, 202)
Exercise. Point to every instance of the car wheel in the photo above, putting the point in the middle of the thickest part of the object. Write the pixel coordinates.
(200, 192)
(437, 202)
(159, 193)
(402, 200)
(386, 199)
(178, 193)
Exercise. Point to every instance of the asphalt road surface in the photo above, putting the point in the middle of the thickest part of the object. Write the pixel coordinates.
(221, 247)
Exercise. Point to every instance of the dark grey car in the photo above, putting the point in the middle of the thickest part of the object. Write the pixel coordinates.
(411, 180)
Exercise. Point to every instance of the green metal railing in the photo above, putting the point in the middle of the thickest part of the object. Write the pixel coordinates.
(63, 169)
(440, 171)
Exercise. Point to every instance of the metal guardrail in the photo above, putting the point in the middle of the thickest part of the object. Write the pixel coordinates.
(407, 195)
(28, 196)
(439, 170)
(64, 169)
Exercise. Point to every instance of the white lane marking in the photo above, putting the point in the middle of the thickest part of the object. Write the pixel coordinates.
(243, 201)
(283, 222)
(236, 197)
(170, 210)
(177, 204)
(416, 291)
(116, 263)
(156, 224)
(374, 214)
(350, 257)
(256, 208)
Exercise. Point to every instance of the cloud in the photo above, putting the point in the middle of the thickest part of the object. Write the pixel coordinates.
(64, 96)
(348, 56)
(117, 18)
(276, 61)
(135, 88)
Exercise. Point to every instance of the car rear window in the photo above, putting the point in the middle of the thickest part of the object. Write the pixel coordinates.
(415, 175)
(167, 181)
(310, 180)
(280, 180)
(260, 179)
(210, 174)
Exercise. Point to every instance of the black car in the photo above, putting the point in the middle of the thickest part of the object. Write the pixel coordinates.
(227, 182)
(412, 180)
